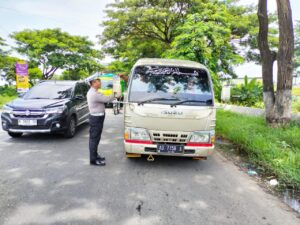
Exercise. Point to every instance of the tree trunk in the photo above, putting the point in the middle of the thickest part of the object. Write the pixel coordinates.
(277, 107)
(267, 60)
(285, 62)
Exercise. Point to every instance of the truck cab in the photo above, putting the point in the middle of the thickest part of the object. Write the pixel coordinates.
(170, 109)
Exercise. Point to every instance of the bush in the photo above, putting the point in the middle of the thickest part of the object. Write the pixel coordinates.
(277, 150)
(247, 94)
(7, 93)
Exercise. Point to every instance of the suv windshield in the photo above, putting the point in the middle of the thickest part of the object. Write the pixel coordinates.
(49, 90)
(163, 82)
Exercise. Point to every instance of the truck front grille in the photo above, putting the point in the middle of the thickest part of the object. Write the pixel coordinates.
(169, 137)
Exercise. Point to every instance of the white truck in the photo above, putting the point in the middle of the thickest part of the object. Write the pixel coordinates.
(169, 110)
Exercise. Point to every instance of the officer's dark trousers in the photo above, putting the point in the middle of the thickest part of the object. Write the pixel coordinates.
(96, 127)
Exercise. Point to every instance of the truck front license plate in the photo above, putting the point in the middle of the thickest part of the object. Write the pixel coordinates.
(170, 148)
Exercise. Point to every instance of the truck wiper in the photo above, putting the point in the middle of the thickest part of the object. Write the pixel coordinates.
(209, 101)
(157, 99)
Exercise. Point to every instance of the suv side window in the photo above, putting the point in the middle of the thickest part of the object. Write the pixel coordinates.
(78, 90)
(85, 89)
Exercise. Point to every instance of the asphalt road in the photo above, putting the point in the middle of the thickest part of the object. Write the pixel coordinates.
(46, 179)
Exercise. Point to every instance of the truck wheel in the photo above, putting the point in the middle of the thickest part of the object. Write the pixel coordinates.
(15, 135)
(70, 132)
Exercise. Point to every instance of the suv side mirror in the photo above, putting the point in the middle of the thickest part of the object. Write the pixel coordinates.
(79, 97)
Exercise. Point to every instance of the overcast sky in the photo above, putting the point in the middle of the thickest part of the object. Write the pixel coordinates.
(79, 17)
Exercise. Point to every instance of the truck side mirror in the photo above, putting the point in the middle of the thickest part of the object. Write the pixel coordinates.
(125, 96)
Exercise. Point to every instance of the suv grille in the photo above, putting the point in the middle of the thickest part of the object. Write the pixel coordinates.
(29, 114)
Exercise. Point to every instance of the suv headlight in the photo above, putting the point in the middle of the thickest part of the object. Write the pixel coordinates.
(132, 133)
(7, 109)
(202, 137)
(55, 110)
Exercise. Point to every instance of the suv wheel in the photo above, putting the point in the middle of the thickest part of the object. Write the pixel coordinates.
(71, 128)
(15, 135)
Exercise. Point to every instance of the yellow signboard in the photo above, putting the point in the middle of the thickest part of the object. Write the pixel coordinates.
(22, 79)
(22, 82)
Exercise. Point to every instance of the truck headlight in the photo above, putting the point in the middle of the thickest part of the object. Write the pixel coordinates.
(203, 137)
(7, 109)
(132, 133)
(199, 137)
(55, 110)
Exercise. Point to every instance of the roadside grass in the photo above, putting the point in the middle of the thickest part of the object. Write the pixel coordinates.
(276, 149)
(296, 91)
(296, 106)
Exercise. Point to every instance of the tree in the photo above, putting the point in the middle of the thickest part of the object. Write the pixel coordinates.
(34, 73)
(2, 44)
(136, 28)
(53, 49)
(205, 37)
(277, 105)
(8, 66)
(297, 47)
(73, 75)
(118, 66)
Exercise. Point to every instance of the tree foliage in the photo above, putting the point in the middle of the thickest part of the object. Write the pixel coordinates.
(73, 75)
(206, 31)
(8, 66)
(53, 49)
(141, 28)
(2, 44)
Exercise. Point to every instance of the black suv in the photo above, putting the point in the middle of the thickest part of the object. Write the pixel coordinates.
(50, 106)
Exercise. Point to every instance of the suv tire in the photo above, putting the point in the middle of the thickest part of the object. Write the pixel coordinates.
(15, 135)
(71, 130)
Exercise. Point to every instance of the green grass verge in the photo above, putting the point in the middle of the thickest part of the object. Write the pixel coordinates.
(278, 150)
(296, 106)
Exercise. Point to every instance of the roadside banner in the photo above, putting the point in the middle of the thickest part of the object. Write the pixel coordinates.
(22, 79)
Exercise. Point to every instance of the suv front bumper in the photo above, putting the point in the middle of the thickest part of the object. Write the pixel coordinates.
(51, 123)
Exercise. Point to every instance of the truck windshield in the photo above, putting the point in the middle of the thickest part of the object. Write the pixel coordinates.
(162, 82)
(106, 84)
(49, 91)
